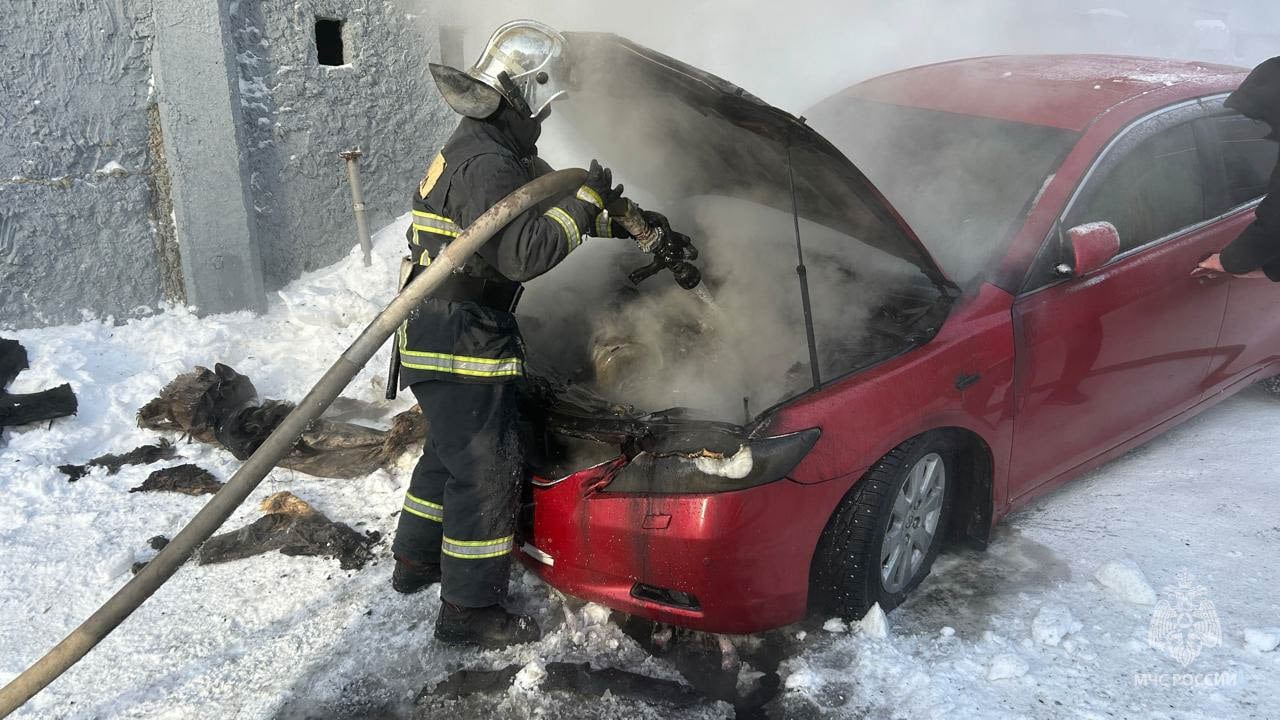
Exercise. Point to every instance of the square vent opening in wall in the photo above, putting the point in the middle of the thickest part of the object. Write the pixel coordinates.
(329, 46)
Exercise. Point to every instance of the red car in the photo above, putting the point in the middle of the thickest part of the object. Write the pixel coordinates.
(1053, 211)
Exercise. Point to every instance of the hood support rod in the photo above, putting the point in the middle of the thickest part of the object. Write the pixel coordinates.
(803, 273)
(278, 444)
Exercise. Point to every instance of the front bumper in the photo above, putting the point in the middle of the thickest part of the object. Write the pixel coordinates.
(729, 562)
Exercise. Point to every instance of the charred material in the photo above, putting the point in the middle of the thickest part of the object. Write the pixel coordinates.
(293, 527)
(156, 543)
(221, 406)
(142, 455)
(187, 479)
(713, 664)
(21, 409)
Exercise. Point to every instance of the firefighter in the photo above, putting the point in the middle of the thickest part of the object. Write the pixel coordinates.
(461, 351)
(1256, 253)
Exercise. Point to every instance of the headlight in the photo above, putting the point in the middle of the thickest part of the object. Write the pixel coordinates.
(701, 471)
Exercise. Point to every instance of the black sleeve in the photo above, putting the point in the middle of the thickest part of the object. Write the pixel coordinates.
(534, 242)
(1259, 244)
(1272, 270)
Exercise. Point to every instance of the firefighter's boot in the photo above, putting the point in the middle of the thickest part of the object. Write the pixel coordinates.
(489, 627)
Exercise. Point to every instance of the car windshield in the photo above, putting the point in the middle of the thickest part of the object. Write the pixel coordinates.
(963, 183)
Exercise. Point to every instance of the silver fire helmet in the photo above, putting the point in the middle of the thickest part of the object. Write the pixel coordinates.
(524, 62)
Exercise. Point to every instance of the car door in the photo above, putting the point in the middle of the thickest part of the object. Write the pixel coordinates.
(1105, 357)
(1243, 158)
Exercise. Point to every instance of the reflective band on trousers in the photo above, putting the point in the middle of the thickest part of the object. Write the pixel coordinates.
(458, 364)
(572, 235)
(477, 549)
(422, 508)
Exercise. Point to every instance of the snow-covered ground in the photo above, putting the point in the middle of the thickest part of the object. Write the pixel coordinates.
(1055, 619)
(1058, 618)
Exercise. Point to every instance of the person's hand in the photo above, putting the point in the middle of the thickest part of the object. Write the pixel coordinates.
(1213, 263)
(600, 182)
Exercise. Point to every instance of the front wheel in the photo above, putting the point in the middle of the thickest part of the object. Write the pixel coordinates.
(1272, 385)
(883, 538)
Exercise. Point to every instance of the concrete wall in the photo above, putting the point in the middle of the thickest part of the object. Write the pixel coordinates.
(197, 81)
(299, 114)
(74, 84)
(80, 236)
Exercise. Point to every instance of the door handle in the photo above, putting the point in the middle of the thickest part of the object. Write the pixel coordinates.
(1205, 275)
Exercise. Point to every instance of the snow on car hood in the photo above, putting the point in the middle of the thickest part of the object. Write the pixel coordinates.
(679, 130)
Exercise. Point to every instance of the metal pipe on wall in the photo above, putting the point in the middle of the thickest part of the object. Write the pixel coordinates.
(352, 158)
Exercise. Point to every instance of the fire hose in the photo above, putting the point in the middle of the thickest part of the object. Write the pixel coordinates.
(128, 598)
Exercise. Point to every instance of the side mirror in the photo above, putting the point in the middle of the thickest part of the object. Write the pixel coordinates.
(1092, 246)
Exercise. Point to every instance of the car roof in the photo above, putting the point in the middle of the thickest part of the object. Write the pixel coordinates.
(1063, 91)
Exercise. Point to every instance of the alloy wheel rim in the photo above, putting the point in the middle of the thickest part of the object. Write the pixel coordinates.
(913, 522)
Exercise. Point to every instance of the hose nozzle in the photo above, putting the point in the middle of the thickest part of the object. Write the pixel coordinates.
(670, 250)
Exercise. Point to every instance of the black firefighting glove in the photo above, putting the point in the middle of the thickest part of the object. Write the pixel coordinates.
(598, 188)
(596, 191)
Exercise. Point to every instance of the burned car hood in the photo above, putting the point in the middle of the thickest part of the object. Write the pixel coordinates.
(678, 130)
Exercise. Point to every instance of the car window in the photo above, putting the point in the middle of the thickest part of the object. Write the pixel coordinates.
(963, 183)
(1248, 157)
(1154, 190)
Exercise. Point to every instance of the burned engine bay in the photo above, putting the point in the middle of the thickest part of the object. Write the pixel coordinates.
(654, 371)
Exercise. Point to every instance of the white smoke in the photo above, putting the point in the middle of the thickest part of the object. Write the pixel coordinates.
(796, 53)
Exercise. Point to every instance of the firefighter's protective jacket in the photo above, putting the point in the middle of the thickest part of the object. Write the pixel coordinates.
(472, 336)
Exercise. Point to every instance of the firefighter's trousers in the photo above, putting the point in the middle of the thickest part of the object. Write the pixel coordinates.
(460, 510)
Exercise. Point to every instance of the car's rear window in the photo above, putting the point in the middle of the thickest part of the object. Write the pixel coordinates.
(963, 183)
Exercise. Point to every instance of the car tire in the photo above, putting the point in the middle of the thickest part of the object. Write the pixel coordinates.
(853, 567)
(1271, 385)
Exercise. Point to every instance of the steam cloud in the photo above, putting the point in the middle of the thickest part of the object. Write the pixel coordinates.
(796, 53)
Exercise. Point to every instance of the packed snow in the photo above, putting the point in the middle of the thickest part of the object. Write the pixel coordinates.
(1061, 616)
(1064, 615)
(1125, 582)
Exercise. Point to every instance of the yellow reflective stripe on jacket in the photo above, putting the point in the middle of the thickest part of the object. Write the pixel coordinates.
(572, 235)
(587, 194)
(438, 224)
(425, 222)
(604, 225)
(477, 549)
(464, 365)
(423, 508)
